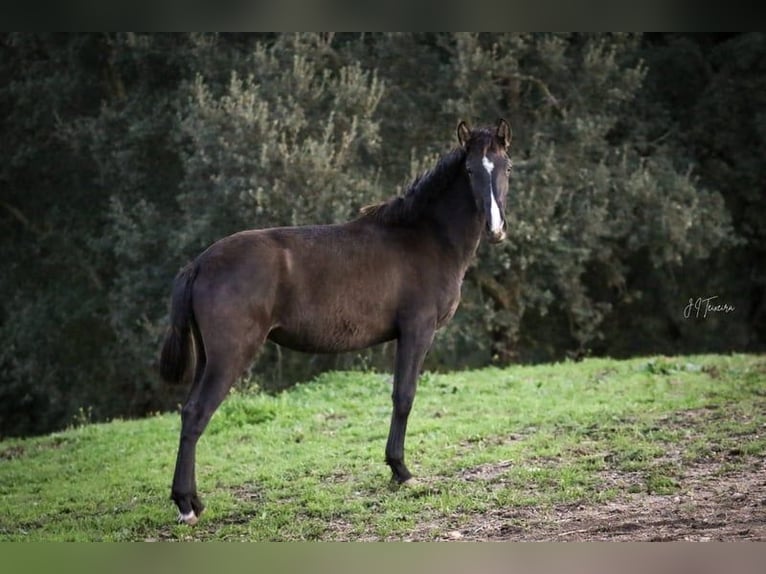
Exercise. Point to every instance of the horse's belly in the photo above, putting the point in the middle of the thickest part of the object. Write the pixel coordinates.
(330, 337)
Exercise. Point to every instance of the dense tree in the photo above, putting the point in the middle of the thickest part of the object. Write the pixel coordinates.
(638, 169)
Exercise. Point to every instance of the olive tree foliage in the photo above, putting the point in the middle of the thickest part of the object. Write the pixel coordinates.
(50, 283)
(590, 202)
(727, 129)
(128, 154)
(287, 143)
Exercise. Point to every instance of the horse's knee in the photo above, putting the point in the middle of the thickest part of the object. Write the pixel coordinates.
(190, 415)
(194, 418)
(189, 411)
(201, 408)
(403, 403)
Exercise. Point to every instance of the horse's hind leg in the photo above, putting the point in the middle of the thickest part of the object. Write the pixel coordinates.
(184, 480)
(226, 360)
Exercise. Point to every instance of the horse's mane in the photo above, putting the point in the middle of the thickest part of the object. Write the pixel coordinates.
(410, 206)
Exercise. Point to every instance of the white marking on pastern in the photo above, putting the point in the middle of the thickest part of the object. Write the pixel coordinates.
(190, 518)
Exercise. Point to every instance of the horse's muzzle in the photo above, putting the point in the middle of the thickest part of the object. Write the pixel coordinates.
(496, 236)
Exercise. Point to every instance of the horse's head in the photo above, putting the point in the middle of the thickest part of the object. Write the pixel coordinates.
(488, 167)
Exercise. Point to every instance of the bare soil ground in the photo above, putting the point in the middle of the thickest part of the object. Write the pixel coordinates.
(722, 498)
(711, 505)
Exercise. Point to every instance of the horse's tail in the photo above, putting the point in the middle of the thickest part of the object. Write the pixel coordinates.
(175, 354)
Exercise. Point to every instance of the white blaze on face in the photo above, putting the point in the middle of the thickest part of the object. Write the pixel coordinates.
(495, 219)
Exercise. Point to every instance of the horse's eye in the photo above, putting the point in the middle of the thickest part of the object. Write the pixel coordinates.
(468, 170)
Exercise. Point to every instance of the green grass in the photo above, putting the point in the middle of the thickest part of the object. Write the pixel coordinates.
(308, 464)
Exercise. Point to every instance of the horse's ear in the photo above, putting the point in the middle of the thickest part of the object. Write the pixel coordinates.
(463, 133)
(504, 133)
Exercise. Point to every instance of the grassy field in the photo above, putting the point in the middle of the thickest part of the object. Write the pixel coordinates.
(535, 452)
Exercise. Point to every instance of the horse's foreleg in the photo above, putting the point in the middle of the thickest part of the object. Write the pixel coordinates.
(412, 346)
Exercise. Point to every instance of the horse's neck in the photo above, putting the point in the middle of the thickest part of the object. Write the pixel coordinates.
(459, 222)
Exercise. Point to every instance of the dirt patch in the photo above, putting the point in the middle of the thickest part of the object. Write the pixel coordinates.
(721, 496)
(709, 506)
(16, 451)
(20, 450)
(487, 472)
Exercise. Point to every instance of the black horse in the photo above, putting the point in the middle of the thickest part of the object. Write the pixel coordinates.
(395, 272)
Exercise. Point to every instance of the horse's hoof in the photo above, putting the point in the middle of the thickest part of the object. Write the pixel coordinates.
(189, 518)
(411, 482)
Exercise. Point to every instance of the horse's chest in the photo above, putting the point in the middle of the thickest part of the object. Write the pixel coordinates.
(447, 306)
